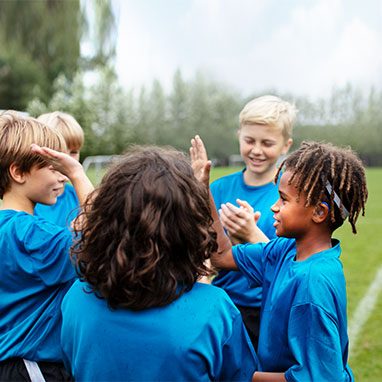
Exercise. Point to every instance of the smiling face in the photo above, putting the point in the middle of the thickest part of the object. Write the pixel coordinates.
(260, 147)
(44, 185)
(292, 218)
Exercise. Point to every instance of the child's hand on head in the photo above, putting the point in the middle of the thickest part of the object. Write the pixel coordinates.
(62, 162)
(199, 160)
(240, 222)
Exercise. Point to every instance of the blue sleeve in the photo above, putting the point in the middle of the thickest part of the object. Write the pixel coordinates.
(48, 247)
(315, 343)
(238, 359)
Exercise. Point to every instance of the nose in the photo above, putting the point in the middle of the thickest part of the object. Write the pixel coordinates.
(256, 149)
(275, 207)
(62, 178)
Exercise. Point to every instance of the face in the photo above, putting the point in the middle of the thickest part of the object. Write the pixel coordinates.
(292, 218)
(44, 185)
(74, 153)
(260, 148)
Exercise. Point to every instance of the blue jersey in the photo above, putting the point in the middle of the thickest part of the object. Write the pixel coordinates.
(261, 198)
(35, 274)
(198, 337)
(303, 330)
(63, 211)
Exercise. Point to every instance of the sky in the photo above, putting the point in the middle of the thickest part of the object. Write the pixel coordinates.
(306, 47)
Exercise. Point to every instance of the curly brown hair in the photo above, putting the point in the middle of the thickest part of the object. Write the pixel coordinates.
(323, 171)
(146, 231)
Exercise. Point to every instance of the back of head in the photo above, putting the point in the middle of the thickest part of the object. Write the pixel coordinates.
(271, 111)
(67, 126)
(331, 174)
(148, 230)
(17, 133)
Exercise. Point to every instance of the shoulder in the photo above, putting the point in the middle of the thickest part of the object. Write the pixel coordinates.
(212, 301)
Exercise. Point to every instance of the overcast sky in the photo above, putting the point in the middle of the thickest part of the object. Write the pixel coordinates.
(302, 46)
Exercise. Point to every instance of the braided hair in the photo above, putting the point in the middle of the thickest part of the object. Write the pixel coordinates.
(330, 174)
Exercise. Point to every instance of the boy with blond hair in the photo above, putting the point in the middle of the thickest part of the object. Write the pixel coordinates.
(264, 136)
(35, 268)
(67, 206)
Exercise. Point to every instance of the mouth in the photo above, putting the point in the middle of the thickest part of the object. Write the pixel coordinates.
(256, 161)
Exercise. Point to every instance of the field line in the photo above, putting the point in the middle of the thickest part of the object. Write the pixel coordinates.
(364, 309)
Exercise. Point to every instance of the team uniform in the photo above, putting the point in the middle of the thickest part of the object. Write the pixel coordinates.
(35, 274)
(261, 198)
(303, 330)
(63, 211)
(198, 337)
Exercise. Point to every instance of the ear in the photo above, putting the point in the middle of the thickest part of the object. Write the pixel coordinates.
(17, 175)
(320, 213)
(287, 146)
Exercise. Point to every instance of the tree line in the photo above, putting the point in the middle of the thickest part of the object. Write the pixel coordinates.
(42, 68)
(114, 118)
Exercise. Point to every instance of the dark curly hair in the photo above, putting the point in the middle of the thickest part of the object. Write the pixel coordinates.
(322, 171)
(146, 231)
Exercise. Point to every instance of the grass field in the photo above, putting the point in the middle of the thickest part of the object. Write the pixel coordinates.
(362, 259)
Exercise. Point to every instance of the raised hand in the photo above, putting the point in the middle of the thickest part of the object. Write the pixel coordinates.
(68, 166)
(199, 160)
(241, 222)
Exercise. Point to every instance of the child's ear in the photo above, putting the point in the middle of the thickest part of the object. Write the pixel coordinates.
(287, 145)
(320, 213)
(16, 173)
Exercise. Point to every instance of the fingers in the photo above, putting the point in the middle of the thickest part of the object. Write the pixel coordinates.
(197, 149)
(244, 204)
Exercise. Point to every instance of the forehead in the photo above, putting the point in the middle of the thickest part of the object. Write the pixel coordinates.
(263, 132)
(284, 185)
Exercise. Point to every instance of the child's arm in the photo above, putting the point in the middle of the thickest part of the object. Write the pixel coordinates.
(70, 167)
(268, 377)
(223, 258)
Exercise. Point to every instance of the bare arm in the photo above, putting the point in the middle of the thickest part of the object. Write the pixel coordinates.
(70, 167)
(223, 258)
(268, 377)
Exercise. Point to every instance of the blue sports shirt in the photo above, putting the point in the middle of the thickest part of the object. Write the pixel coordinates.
(63, 211)
(198, 337)
(35, 274)
(261, 198)
(303, 330)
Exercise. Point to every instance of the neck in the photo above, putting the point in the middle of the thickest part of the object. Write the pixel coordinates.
(308, 246)
(252, 179)
(13, 201)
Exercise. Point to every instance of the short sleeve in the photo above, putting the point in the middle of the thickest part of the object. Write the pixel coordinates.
(239, 360)
(48, 247)
(315, 343)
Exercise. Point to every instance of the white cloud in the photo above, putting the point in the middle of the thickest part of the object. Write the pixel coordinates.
(298, 46)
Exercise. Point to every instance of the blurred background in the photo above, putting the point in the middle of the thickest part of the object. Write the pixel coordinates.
(161, 71)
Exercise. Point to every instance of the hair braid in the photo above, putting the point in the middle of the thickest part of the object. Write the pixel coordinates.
(316, 165)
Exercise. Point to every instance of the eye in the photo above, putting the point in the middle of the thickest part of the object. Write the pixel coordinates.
(268, 143)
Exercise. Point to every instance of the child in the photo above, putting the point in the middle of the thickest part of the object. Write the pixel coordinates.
(303, 333)
(142, 249)
(67, 205)
(264, 135)
(35, 270)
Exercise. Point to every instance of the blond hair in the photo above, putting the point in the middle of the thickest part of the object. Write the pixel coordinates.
(17, 133)
(271, 111)
(69, 128)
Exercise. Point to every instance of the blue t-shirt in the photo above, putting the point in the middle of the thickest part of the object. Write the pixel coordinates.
(198, 337)
(35, 274)
(261, 198)
(63, 211)
(303, 330)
